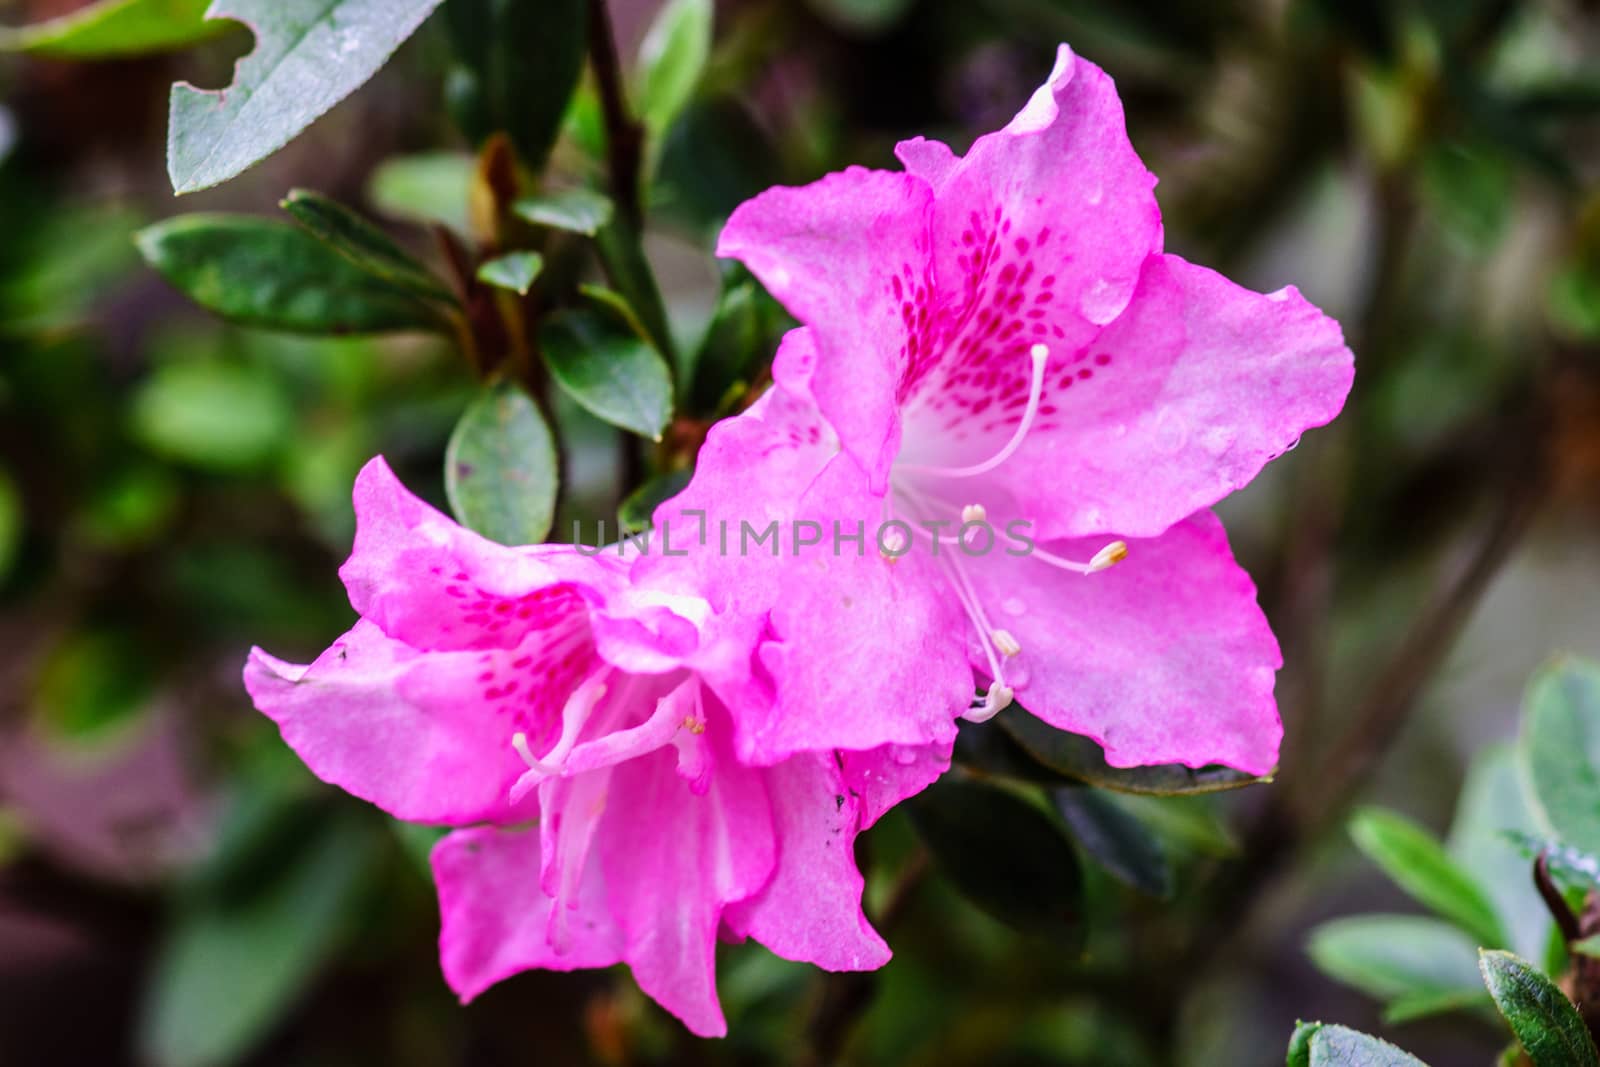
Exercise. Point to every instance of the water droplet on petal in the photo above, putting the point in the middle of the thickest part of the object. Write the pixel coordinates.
(1095, 194)
(905, 756)
(1104, 301)
(1013, 606)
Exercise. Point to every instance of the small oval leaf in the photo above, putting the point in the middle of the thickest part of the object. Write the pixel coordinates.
(1324, 1045)
(1005, 856)
(260, 272)
(501, 470)
(610, 370)
(575, 210)
(514, 271)
(1544, 1021)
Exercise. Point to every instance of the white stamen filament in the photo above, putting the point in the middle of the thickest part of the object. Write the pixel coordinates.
(575, 715)
(1040, 356)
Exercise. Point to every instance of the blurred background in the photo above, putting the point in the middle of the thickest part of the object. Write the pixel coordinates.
(175, 888)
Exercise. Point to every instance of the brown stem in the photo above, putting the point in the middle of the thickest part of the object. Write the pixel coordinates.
(624, 135)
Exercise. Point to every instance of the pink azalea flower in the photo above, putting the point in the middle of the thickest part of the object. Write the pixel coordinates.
(490, 688)
(997, 338)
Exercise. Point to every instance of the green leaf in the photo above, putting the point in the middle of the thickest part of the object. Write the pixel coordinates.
(362, 243)
(1325, 1045)
(264, 273)
(1078, 757)
(862, 16)
(115, 28)
(1116, 839)
(434, 188)
(514, 271)
(231, 968)
(622, 256)
(1544, 1021)
(500, 467)
(575, 210)
(1418, 863)
(634, 513)
(219, 416)
(1492, 802)
(308, 55)
(519, 63)
(12, 523)
(1560, 751)
(743, 333)
(671, 59)
(1390, 957)
(1006, 856)
(610, 370)
(1588, 946)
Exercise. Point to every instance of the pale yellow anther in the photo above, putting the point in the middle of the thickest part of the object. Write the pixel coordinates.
(974, 513)
(1005, 643)
(1109, 556)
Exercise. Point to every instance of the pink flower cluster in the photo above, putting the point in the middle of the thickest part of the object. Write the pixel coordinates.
(642, 756)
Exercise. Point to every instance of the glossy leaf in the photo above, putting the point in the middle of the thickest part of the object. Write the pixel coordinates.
(1116, 839)
(671, 59)
(1560, 751)
(1394, 956)
(1006, 856)
(308, 55)
(232, 967)
(518, 65)
(362, 243)
(575, 210)
(434, 188)
(1544, 1021)
(1078, 757)
(515, 271)
(501, 471)
(264, 273)
(610, 370)
(1324, 1045)
(115, 28)
(1418, 863)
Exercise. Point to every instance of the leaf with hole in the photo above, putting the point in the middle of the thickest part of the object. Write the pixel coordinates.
(308, 56)
(501, 470)
(258, 272)
(609, 369)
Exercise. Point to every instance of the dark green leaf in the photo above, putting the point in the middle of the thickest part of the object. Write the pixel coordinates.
(986, 752)
(115, 28)
(220, 416)
(1539, 1014)
(638, 506)
(500, 467)
(1325, 1045)
(1560, 750)
(671, 59)
(1078, 757)
(515, 271)
(575, 210)
(622, 256)
(11, 522)
(1006, 856)
(1118, 841)
(362, 243)
(264, 273)
(308, 55)
(608, 369)
(430, 189)
(519, 63)
(1394, 956)
(230, 969)
(1418, 863)
(742, 334)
